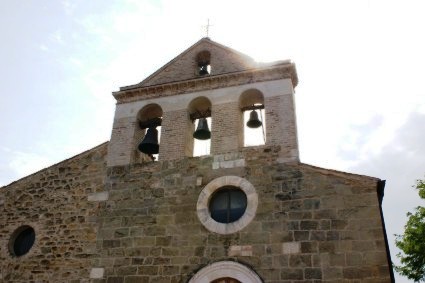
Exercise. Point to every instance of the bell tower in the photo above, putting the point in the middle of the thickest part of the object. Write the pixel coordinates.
(211, 86)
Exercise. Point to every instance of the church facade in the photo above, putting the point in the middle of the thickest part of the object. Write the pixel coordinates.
(146, 207)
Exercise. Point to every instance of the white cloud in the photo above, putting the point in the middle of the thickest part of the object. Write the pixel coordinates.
(43, 47)
(57, 37)
(21, 164)
(400, 162)
(360, 66)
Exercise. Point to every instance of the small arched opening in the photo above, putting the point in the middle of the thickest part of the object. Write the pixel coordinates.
(251, 103)
(148, 132)
(200, 134)
(203, 60)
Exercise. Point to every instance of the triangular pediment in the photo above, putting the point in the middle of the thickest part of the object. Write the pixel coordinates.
(222, 59)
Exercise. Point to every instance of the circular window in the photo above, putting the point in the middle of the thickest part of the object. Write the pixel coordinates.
(22, 241)
(227, 204)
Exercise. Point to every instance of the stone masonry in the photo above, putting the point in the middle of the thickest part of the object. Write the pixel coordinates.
(112, 215)
(61, 204)
(140, 224)
(312, 225)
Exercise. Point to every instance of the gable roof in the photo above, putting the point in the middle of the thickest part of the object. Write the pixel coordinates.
(184, 66)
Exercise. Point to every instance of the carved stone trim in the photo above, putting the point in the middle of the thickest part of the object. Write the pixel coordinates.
(134, 93)
(224, 269)
(203, 203)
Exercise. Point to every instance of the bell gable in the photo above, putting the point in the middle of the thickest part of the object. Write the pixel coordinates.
(204, 58)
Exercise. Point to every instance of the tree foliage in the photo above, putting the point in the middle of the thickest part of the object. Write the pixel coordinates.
(412, 242)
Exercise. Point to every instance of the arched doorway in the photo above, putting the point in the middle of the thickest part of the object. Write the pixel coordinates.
(225, 272)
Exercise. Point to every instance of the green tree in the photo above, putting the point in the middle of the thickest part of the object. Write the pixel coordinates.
(412, 242)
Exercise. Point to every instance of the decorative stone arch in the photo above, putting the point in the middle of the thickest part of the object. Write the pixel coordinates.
(197, 108)
(224, 269)
(148, 112)
(202, 206)
(29, 242)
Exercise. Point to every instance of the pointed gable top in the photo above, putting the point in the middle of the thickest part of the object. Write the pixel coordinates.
(222, 60)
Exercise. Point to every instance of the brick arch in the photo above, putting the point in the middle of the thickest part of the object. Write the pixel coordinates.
(149, 111)
(251, 102)
(250, 97)
(198, 107)
(200, 103)
(223, 269)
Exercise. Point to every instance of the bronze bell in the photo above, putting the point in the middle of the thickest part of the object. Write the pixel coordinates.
(203, 70)
(202, 131)
(149, 144)
(253, 121)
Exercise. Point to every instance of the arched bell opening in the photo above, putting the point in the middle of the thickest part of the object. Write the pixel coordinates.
(251, 103)
(203, 60)
(200, 134)
(148, 133)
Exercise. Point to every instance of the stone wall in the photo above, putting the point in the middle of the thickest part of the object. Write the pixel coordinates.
(124, 141)
(281, 127)
(227, 128)
(60, 203)
(175, 135)
(311, 224)
(139, 223)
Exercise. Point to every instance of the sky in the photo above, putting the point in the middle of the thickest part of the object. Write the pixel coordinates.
(360, 101)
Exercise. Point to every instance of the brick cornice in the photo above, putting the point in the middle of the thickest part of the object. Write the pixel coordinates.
(134, 93)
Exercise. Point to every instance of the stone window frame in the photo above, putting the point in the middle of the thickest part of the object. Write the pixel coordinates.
(202, 206)
(223, 269)
(17, 229)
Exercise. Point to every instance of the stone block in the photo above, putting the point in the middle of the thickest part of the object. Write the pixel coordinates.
(125, 270)
(136, 279)
(309, 247)
(291, 248)
(101, 196)
(312, 273)
(299, 260)
(240, 250)
(353, 259)
(148, 270)
(291, 274)
(97, 272)
(115, 279)
(332, 273)
(170, 270)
